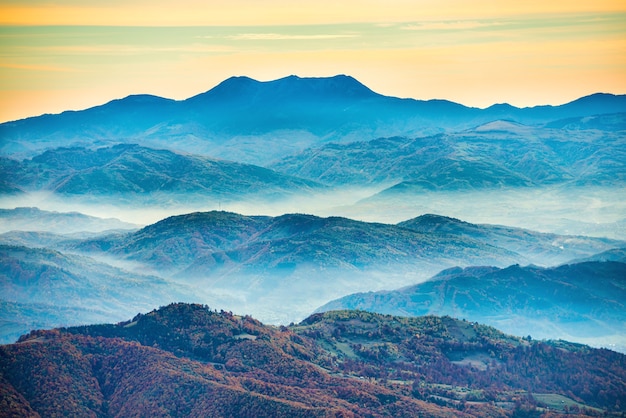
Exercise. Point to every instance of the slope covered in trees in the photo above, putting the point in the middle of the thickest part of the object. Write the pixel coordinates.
(187, 360)
(580, 302)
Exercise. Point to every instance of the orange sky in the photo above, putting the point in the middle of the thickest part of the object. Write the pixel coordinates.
(71, 54)
(279, 12)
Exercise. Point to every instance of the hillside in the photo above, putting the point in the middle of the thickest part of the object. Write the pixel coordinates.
(190, 241)
(580, 302)
(42, 288)
(616, 254)
(281, 268)
(494, 155)
(186, 244)
(189, 360)
(137, 174)
(541, 248)
(36, 220)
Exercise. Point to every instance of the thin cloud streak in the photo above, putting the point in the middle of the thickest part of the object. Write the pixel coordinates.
(277, 12)
(45, 68)
(450, 25)
(286, 37)
(123, 50)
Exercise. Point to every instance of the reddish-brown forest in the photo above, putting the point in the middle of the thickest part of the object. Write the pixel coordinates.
(187, 360)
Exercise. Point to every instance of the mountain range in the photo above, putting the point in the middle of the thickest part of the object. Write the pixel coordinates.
(494, 155)
(283, 267)
(192, 361)
(278, 268)
(237, 119)
(332, 192)
(310, 144)
(328, 146)
(132, 172)
(178, 243)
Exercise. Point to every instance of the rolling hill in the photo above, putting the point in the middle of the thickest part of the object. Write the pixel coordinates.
(545, 249)
(189, 360)
(36, 220)
(135, 174)
(281, 268)
(278, 268)
(494, 155)
(189, 241)
(581, 302)
(176, 243)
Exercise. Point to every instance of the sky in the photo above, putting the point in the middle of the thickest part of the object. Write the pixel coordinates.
(73, 54)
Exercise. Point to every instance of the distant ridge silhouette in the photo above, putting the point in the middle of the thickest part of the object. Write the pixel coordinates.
(303, 110)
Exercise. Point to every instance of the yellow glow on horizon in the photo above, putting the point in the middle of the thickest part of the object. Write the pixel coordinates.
(281, 12)
(476, 53)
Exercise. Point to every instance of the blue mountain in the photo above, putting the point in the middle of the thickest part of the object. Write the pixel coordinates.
(581, 302)
(132, 172)
(241, 112)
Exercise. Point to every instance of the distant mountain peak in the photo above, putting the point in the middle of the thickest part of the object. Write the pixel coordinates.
(288, 88)
(237, 81)
(139, 100)
(433, 219)
(501, 107)
(338, 85)
(232, 86)
(602, 101)
(503, 125)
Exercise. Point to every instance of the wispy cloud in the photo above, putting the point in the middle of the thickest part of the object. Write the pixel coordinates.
(30, 67)
(450, 25)
(287, 37)
(123, 49)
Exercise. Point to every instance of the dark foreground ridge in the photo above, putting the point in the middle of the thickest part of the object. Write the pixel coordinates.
(187, 360)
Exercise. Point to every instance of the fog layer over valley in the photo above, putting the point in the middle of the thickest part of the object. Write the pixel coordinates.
(277, 268)
(590, 210)
(274, 198)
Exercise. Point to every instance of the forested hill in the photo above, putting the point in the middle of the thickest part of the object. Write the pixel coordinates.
(187, 360)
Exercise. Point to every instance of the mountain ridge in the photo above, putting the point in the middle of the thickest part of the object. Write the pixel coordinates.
(36, 220)
(299, 111)
(337, 87)
(490, 156)
(133, 170)
(571, 301)
(237, 82)
(281, 268)
(298, 262)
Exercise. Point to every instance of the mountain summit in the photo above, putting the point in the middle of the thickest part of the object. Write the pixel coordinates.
(250, 91)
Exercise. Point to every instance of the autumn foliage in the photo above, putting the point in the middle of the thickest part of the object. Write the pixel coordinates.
(187, 360)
